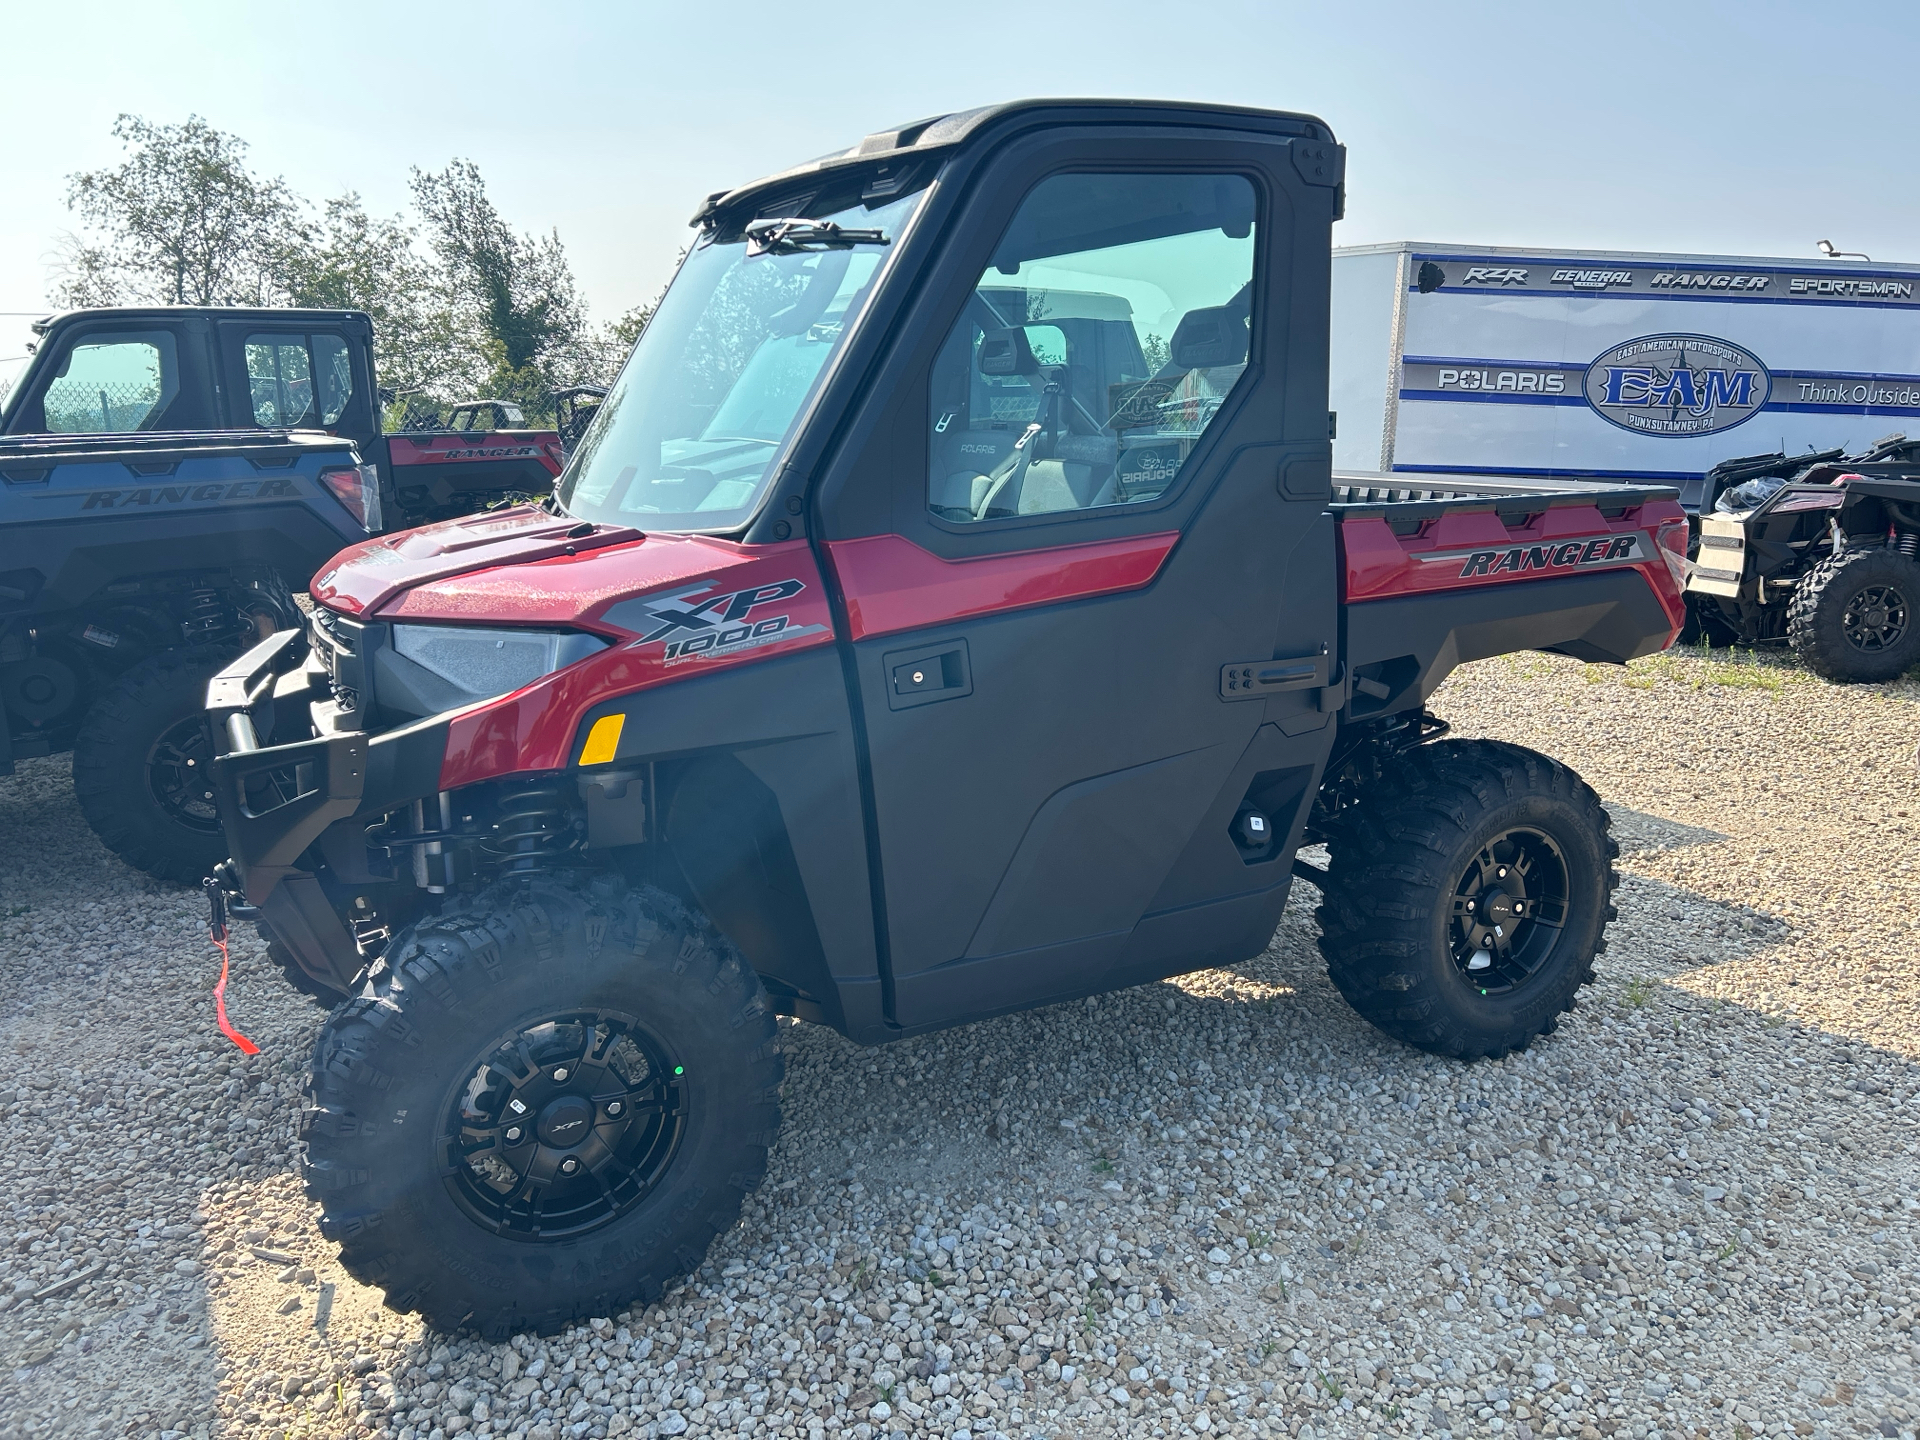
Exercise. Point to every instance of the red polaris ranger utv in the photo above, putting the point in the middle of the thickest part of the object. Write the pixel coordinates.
(951, 609)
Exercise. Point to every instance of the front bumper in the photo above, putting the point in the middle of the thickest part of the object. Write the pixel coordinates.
(277, 801)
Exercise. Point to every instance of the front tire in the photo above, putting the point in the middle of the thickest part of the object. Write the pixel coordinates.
(1856, 616)
(1467, 896)
(319, 991)
(140, 767)
(543, 1104)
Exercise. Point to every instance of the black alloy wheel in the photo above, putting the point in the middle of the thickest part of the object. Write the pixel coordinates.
(1851, 617)
(1509, 910)
(1466, 896)
(179, 776)
(1875, 619)
(141, 768)
(541, 1104)
(565, 1125)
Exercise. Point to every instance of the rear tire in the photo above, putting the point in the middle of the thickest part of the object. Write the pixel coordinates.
(140, 767)
(1455, 838)
(562, 996)
(1856, 616)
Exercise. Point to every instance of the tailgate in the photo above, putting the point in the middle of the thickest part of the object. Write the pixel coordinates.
(512, 450)
(1432, 583)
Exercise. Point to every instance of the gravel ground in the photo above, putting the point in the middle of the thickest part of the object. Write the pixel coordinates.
(1216, 1205)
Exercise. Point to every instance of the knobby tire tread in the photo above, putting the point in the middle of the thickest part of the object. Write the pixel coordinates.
(1394, 857)
(119, 726)
(1816, 609)
(444, 969)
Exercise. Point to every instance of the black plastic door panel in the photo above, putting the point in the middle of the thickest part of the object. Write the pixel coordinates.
(1060, 820)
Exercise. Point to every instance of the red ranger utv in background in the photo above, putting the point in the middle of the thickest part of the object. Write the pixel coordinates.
(951, 609)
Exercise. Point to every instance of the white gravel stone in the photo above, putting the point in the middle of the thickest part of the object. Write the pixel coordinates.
(1688, 1211)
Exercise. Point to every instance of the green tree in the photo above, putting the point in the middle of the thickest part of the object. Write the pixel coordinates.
(622, 334)
(181, 220)
(513, 294)
(350, 260)
(464, 306)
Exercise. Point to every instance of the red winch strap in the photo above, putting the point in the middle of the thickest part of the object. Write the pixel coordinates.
(247, 1047)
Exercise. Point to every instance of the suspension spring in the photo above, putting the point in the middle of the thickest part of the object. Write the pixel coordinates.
(1907, 542)
(207, 616)
(533, 831)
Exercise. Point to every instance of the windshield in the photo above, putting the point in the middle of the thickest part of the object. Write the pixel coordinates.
(708, 401)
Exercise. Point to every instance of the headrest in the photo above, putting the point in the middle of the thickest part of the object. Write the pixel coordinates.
(1006, 352)
(1215, 335)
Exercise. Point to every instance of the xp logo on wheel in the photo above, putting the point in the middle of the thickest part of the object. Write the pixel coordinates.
(1677, 385)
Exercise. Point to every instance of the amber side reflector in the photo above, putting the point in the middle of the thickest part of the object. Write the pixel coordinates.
(602, 740)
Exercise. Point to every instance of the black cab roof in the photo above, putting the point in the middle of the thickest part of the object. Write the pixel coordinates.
(279, 314)
(884, 148)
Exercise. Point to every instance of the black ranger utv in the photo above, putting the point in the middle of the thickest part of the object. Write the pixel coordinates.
(950, 610)
(1820, 550)
(159, 508)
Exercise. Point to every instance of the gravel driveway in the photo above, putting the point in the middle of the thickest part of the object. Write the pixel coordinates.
(1216, 1205)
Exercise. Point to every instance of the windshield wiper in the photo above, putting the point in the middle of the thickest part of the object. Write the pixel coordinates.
(789, 236)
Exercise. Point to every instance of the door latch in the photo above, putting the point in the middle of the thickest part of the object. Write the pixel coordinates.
(1257, 679)
(920, 677)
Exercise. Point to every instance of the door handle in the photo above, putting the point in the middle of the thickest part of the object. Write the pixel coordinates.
(922, 676)
(1252, 679)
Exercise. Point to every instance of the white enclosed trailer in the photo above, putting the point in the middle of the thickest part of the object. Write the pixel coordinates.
(1616, 366)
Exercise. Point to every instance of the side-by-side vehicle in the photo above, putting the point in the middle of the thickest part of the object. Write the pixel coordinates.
(951, 609)
(157, 515)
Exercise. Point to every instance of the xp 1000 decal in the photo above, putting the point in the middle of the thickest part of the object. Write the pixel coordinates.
(1677, 385)
(698, 625)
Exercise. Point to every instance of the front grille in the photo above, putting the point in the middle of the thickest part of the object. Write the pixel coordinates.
(347, 647)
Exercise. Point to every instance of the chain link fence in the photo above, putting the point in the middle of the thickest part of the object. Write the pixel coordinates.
(95, 409)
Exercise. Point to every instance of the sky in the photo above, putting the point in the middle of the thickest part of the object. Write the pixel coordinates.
(1748, 128)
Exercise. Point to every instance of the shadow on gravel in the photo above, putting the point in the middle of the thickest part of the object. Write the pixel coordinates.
(1637, 830)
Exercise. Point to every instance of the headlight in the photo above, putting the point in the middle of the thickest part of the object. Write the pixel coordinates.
(484, 663)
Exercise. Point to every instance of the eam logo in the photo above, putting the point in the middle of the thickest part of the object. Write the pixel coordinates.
(710, 626)
(1677, 385)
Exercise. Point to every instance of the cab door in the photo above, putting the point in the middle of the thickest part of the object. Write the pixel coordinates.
(119, 372)
(1095, 495)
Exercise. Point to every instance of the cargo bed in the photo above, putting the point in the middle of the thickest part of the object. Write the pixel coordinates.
(1438, 574)
(1356, 491)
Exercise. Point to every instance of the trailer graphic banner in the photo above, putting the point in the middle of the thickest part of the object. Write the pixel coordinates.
(1677, 385)
(1559, 382)
(1837, 283)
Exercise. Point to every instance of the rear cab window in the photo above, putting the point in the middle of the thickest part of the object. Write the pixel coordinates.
(297, 381)
(1097, 347)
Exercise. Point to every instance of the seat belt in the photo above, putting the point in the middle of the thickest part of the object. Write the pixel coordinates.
(1011, 471)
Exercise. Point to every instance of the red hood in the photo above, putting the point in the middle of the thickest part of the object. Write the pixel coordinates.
(724, 604)
(363, 578)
